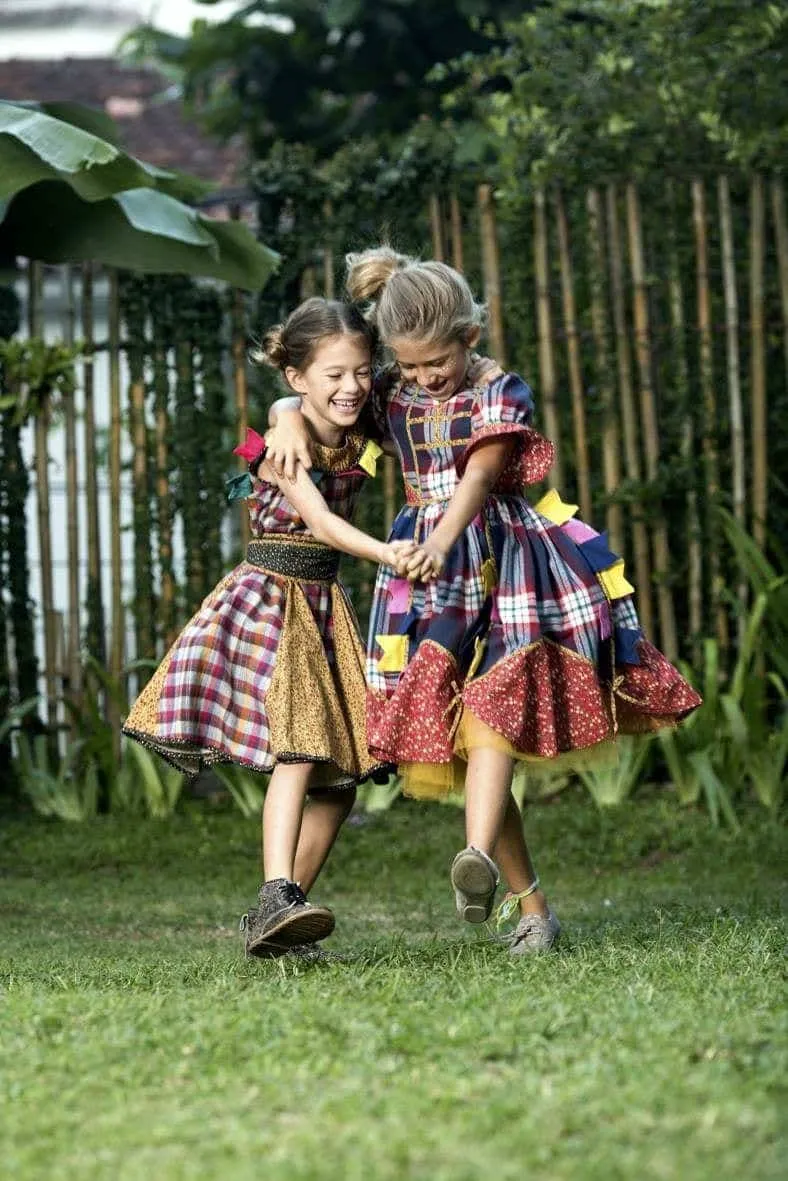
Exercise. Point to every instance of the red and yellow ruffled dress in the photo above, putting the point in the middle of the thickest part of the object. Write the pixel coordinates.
(271, 668)
(529, 641)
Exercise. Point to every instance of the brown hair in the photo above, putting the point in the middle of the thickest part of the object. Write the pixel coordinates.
(413, 299)
(293, 343)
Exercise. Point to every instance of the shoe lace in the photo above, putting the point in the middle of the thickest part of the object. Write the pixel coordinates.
(292, 894)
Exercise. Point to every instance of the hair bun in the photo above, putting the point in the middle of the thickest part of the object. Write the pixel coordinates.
(271, 349)
(369, 271)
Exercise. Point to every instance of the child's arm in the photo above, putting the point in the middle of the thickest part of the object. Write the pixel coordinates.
(331, 529)
(483, 469)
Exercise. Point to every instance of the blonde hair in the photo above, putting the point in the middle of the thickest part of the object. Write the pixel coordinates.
(293, 343)
(412, 299)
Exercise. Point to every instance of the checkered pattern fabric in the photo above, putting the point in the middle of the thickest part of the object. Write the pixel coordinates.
(215, 679)
(545, 586)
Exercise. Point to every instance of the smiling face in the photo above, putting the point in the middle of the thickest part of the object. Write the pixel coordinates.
(437, 367)
(335, 385)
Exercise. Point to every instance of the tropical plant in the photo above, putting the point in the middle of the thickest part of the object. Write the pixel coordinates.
(68, 195)
(66, 788)
(246, 787)
(145, 784)
(723, 746)
(612, 781)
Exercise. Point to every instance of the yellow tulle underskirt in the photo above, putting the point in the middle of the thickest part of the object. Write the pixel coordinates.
(435, 781)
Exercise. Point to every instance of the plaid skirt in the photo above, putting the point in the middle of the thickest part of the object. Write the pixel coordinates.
(269, 669)
(528, 642)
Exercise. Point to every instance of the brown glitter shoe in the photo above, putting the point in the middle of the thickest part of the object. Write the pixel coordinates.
(283, 920)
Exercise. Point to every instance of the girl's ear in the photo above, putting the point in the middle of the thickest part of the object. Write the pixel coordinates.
(472, 337)
(295, 380)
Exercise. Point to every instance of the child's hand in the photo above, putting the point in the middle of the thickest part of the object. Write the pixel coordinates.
(426, 563)
(287, 445)
(483, 370)
(398, 555)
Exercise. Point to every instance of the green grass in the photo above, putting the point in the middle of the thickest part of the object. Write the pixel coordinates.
(137, 1043)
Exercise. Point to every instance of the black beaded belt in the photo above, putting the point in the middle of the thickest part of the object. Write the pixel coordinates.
(309, 560)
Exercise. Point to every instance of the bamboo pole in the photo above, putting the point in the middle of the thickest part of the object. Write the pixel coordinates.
(241, 391)
(436, 227)
(758, 361)
(573, 356)
(781, 237)
(328, 253)
(678, 323)
(43, 510)
(547, 375)
(116, 564)
(492, 273)
(72, 665)
(611, 466)
(628, 412)
(96, 643)
(736, 412)
(648, 415)
(455, 217)
(709, 402)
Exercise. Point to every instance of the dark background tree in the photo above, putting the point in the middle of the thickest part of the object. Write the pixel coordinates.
(324, 71)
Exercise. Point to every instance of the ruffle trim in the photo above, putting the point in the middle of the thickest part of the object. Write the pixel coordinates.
(543, 701)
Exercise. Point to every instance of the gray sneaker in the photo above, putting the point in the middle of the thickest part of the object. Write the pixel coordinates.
(283, 920)
(535, 933)
(475, 878)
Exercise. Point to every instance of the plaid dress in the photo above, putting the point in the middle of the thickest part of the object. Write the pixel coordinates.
(528, 641)
(270, 667)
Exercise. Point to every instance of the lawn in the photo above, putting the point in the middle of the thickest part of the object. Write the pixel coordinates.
(136, 1042)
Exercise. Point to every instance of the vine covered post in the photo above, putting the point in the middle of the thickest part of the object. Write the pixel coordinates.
(95, 642)
(681, 377)
(611, 467)
(161, 316)
(116, 563)
(241, 389)
(42, 425)
(573, 356)
(492, 273)
(648, 413)
(547, 375)
(709, 403)
(735, 410)
(628, 412)
(758, 360)
(134, 315)
(781, 238)
(72, 640)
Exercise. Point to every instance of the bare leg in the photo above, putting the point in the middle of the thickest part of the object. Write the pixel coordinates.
(324, 815)
(513, 857)
(487, 792)
(282, 812)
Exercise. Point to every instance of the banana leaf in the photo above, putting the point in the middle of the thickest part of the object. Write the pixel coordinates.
(68, 195)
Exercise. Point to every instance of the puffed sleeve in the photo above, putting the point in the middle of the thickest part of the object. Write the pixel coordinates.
(506, 407)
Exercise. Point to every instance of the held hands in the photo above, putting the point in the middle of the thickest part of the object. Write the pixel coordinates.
(425, 562)
(414, 562)
(397, 554)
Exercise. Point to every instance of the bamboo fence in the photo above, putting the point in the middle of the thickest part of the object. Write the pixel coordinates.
(636, 305)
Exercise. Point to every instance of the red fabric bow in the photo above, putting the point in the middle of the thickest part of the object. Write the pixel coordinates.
(252, 446)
